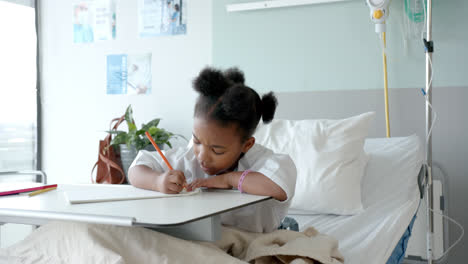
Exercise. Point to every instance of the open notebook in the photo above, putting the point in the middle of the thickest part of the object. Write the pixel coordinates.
(95, 193)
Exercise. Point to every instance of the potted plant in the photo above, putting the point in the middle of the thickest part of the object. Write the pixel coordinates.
(128, 143)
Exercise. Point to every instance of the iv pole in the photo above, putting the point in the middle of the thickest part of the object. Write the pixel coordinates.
(429, 188)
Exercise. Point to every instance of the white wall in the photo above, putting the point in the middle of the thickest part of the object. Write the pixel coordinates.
(76, 109)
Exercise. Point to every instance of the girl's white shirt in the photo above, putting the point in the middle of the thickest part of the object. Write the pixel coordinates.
(263, 217)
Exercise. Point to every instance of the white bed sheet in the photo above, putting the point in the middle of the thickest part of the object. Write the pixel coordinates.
(390, 197)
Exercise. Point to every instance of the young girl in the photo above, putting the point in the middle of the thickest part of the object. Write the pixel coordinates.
(223, 153)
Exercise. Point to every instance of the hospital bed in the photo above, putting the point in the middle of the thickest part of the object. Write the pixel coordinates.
(391, 185)
(390, 195)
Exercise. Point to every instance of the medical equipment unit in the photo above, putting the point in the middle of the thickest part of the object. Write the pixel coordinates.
(418, 11)
(379, 13)
(379, 10)
(429, 48)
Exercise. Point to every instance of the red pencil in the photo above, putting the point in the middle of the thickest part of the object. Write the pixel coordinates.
(27, 189)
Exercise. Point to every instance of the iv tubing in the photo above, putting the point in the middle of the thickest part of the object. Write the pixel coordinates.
(384, 56)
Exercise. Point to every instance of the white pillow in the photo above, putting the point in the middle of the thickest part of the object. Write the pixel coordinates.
(329, 157)
(392, 169)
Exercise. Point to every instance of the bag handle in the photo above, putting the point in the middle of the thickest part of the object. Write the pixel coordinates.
(114, 165)
(92, 170)
(109, 163)
(119, 121)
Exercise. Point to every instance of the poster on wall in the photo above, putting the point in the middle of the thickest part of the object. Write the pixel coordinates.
(129, 74)
(162, 17)
(94, 21)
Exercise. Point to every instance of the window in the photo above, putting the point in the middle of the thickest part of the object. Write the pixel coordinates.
(18, 106)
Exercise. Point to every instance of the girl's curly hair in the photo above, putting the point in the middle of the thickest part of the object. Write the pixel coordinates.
(223, 97)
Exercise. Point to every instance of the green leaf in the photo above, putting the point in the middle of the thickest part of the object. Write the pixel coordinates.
(129, 118)
(136, 137)
(146, 141)
(115, 132)
(120, 138)
(178, 135)
(139, 144)
(140, 132)
(163, 137)
(132, 136)
(153, 130)
(131, 127)
(154, 122)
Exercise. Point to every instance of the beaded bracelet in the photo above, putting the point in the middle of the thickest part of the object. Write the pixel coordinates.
(241, 180)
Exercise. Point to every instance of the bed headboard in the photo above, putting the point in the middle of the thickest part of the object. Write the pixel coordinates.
(407, 112)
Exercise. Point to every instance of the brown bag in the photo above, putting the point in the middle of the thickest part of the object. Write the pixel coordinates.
(108, 165)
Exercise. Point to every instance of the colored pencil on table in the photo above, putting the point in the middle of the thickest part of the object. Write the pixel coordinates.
(42, 191)
(23, 190)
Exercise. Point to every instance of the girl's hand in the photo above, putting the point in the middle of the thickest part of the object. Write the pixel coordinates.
(218, 182)
(171, 182)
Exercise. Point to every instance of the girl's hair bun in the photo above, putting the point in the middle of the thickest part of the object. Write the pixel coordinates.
(211, 82)
(234, 75)
(269, 103)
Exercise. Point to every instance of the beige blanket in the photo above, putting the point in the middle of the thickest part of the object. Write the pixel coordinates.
(67, 242)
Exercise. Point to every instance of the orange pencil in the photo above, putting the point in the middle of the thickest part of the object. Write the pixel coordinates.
(159, 151)
(157, 148)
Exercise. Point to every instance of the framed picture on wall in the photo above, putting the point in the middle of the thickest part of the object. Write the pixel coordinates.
(129, 74)
(162, 18)
(94, 21)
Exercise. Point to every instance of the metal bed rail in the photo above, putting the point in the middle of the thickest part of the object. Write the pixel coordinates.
(40, 175)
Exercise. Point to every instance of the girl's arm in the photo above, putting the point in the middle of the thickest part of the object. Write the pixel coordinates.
(257, 183)
(143, 177)
(254, 183)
